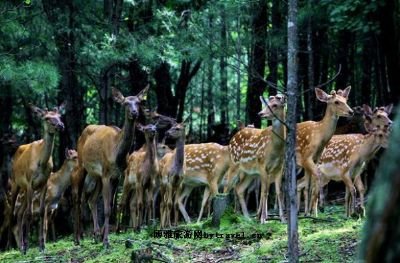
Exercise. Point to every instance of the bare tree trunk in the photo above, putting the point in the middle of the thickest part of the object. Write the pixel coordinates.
(290, 151)
(223, 70)
(310, 66)
(238, 73)
(203, 83)
(256, 84)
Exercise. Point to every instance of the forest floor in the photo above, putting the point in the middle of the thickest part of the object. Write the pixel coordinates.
(330, 238)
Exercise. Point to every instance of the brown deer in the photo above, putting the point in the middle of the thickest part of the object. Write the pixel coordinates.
(206, 164)
(32, 165)
(144, 167)
(260, 152)
(129, 185)
(57, 183)
(172, 168)
(379, 119)
(102, 152)
(312, 136)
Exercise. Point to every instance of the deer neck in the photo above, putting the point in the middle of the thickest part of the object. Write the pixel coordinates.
(47, 150)
(126, 137)
(278, 131)
(368, 147)
(65, 174)
(328, 124)
(151, 148)
(179, 155)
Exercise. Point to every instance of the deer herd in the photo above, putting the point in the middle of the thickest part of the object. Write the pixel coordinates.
(155, 171)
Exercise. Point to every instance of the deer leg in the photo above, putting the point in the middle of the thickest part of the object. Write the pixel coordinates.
(279, 197)
(232, 175)
(107, 209)
(42, 211)
(76, 200)
(19, 229)
(360, 188)
(156, 193)
(257, 191)
(169, 206)
(263, 208)
(122, 204)
(314, 197)
(93, 208)
(26, 219)
(45, 222)
(133, 211)
(206, 195)
(350, 192)
(240, 189)
(139, 203)
(300, 186)
(14, 194)
(184, 194)
(150, 202)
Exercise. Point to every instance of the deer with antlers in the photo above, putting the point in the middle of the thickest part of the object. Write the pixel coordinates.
(172, 167)
(345, 156)
(260, 152)
(206, 164)
(313, 136)
(32, 165)
(102, 152)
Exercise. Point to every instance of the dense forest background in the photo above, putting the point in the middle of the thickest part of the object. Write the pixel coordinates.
(205, 60)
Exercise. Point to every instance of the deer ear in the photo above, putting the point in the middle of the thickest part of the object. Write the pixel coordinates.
(67, 153)
(388, 108)
(143, 94)
(367, 110)
(346, 92)
(263, 100)
(321, 95)
(38, 111)
(117, 95)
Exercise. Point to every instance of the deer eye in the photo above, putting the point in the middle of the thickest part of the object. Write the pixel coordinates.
(379, 116)
(336, 102)
(274, 106)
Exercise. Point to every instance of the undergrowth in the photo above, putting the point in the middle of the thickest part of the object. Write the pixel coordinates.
(330, 238)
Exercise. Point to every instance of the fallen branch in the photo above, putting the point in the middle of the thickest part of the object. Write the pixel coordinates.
(169, 245)
(316, 218)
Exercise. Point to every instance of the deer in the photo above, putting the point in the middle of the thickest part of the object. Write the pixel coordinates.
(313, 136)
(260, 152)
(206, 164)
(343, 160)
(144, 168)
(129, 185)
(373, 120)
(102, 152)
(31, 167)
(57, 183)
(172, 168)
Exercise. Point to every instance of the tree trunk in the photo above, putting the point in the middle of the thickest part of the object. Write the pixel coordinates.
(274, 49)
(290, 150)
(220, 202)
(256, 85)
(224, 70)
(310, 66)
(165, 99)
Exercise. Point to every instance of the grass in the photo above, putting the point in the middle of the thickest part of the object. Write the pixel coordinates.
(332, 239)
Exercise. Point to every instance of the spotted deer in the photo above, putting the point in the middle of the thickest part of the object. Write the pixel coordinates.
(312, 136)
(206, 164)
(102, 152)
(172, 169)
(31, 167)
(343, 160)
(377, 120)
(260, 152)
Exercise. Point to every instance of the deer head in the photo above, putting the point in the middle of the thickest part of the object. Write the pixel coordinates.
(52, 119)
(131, 103)
(379, 117)
(381, 136)
(161, 121)
(71, 155)
(149, 130)
(176, 131)
(337, 101)
(274, 105)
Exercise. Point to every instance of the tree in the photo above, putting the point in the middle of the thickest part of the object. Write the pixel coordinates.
(291, 119)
